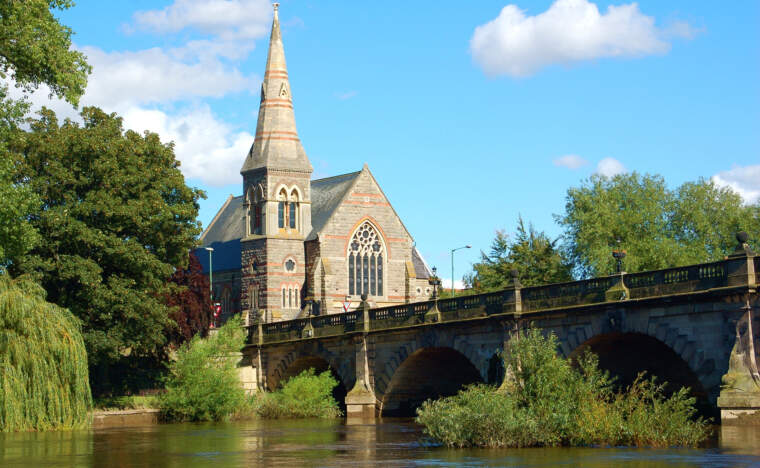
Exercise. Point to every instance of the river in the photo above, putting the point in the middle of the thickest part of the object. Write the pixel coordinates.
(295, 443)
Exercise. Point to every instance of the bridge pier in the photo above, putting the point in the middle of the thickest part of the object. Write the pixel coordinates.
(739, 399)
(361, 401)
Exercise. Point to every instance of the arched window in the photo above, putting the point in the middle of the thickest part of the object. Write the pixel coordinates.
(293, 210)
(255, 210)
(365, 261)
(282, 198)
(284, 297)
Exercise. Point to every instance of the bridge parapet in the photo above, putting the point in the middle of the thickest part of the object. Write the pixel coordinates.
(733, 272)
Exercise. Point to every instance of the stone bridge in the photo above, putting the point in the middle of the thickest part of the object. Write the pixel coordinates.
(695, 325)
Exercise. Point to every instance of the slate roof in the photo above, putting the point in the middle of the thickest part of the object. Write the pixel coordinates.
(223, 234)
(326, 195)
(420, 267)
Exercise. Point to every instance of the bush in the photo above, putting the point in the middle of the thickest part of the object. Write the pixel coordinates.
(545, 401)
(306, 395)
(44, 382)
(203, 383)
(126, 402)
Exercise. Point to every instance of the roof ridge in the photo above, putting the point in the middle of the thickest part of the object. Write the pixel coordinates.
(335, 176)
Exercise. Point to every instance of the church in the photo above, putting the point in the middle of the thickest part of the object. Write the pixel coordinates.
(292, 246)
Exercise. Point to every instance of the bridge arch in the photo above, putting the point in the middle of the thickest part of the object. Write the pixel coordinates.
(428, 372)
(626, 354)
(298, 361)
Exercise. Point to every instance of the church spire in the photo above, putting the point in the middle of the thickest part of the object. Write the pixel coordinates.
(276, 144)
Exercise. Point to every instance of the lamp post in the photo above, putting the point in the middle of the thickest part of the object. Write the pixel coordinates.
(210, 274)
(452, 265)
(618, 255)
(435, 282)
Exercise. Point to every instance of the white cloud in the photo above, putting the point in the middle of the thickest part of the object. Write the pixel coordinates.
(155, 76)
(209, 149)
(446, 283)
(610, 167)
(569, 31)
(570, 161)
(743, 179)
(228, 19)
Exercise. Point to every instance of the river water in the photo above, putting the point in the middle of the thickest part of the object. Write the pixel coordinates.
(295, 443)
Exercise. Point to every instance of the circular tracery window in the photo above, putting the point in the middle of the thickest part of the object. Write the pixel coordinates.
(290, 265)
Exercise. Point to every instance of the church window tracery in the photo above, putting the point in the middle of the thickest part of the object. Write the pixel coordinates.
(365, 261)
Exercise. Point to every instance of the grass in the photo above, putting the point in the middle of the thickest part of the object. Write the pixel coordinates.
(126, 402)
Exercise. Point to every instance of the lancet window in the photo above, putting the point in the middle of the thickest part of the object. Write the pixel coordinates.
(287, 209)
(255, 211)
(366, 255)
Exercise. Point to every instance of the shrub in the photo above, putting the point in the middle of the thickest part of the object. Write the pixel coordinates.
(307, 395)
(203, 383)
(44, 381)
(545, 401)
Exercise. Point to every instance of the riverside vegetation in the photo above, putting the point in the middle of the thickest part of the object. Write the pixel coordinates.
(203, 385)
(43, 362)
(546, 401)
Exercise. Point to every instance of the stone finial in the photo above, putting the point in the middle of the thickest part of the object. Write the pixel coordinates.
(742, 248)
(276, 6)
(515, 274)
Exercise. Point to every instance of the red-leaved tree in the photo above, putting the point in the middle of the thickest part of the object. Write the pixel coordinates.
(191, 303)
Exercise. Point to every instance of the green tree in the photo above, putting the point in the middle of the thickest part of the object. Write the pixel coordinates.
(117, 219)
(43, 362)
(35, 48)
(17, 235)
(533, 254)
(203, 383)
(658, 227)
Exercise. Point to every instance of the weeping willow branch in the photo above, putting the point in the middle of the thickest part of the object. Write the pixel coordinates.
(43, 363)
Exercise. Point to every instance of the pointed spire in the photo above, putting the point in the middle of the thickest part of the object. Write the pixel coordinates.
(276, 144)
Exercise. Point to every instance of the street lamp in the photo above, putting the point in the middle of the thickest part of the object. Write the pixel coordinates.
(210, 274)
(619, 255)
(452, 265)
(435, 283)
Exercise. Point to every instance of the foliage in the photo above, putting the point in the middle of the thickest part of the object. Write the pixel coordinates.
(36, 49)
(658, 227)
(125, 402)
(545, 401)
(307, 395)
(190, 301)
(533, 254)
(17, 236)
(43, 363)
(117, 219)
(203, 383)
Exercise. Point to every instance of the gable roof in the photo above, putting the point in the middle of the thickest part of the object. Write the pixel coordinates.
(326, 196)
(223, 234)
(420, 267)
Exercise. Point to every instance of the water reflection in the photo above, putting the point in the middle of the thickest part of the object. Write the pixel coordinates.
(293, 443)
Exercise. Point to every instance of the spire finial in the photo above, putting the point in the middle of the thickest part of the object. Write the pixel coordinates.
(276, 6)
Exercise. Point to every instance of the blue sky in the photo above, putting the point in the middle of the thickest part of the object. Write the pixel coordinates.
(467, 113)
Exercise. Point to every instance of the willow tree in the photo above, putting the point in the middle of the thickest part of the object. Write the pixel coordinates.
(43, 362)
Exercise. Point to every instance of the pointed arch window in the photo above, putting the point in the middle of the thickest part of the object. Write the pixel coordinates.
(255, 211)
(293, 210)
(366, 253)
(282, 198)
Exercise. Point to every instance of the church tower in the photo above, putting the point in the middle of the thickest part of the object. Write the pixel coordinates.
(277, 199)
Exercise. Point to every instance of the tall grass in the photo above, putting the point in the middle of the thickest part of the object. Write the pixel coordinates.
(307, 395)
(546, 401)
(44, 381)
(203, 383)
